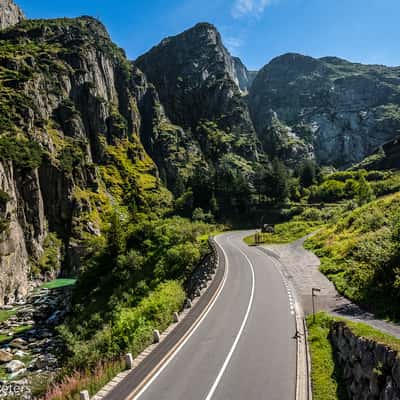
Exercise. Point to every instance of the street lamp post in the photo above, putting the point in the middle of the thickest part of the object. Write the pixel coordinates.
(313, 295)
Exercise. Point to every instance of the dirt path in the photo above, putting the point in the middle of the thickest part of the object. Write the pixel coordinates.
(301, 267)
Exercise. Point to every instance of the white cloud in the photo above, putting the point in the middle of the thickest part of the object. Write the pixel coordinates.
(233, 44)
(244, 8)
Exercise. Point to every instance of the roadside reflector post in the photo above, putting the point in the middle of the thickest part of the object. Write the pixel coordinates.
(129, 361)
(313, 296)
(176, 317)
(156, 336)
(84, 395)
(188, 303)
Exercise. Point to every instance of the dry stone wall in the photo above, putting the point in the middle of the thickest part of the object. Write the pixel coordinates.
(371, 370)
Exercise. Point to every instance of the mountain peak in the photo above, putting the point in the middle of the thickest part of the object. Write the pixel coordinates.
(10, 14)
(197, 52)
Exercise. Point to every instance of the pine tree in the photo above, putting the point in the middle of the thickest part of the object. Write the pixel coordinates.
(308, 174)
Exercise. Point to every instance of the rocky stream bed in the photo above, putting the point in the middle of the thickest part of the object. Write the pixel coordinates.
(28, 342)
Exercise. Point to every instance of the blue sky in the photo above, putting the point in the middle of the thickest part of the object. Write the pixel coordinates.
(365, 31)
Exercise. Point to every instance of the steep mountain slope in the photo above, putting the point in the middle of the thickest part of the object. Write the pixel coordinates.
(386, 156)
(342, 111)
(198, 82)
(69, 146)
(78, 120)
(197, 78)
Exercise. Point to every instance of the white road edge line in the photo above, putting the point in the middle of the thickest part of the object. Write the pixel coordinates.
(235, 343)
(157, 374)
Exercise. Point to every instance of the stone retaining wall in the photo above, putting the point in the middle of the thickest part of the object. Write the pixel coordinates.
(203, 272)
(371, 370)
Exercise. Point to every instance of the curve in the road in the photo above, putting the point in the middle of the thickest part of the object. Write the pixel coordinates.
(240, 347)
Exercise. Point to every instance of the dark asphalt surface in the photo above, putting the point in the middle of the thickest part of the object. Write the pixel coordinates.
(243, 349)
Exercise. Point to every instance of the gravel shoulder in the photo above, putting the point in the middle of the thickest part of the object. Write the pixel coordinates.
(301, 268)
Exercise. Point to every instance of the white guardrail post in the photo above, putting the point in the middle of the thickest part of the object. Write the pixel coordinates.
(129, 361)
(84, 395)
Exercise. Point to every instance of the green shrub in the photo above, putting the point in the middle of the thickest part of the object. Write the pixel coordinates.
(24, 153)
(134, 326)
(329, 191)
(51, 257)
(360, 254)
(71, 157)
(130, 329)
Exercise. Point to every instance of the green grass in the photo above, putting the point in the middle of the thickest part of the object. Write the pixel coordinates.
(4, 339)
(16, 331)
(5, 314)
(326, 377)
(214, 232)
(59, 283)
(287, 232)
(3, 373)
(22, 329)
(370, 333)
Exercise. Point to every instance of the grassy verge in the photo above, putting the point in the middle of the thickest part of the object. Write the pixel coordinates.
(286, 233)
(219, 229)
(71, 386)
(370, 333)
(326, 377)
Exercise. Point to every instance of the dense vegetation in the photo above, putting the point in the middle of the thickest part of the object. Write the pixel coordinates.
(357, 235)
(360, 253)
(316, 198)
(73, 128)
(131, 284)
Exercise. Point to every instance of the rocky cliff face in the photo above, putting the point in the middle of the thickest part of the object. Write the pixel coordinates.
(343, 110)
(242, 76)
(194, 72)
(69, 146)
(198, 83)
(10, 14)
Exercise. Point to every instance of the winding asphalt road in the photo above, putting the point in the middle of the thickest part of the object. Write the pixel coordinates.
(244, 347)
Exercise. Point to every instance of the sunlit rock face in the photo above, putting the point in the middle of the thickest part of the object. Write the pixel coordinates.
(343, 110)
(10, 14)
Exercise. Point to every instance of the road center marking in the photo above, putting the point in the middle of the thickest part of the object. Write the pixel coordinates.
(235, 343)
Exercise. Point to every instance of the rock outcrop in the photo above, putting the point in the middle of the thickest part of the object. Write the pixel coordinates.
(370, 370)
(10, 14)
(242, 76)
(345, 111)
(69, 145)
(196, 79)
(200, 97)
